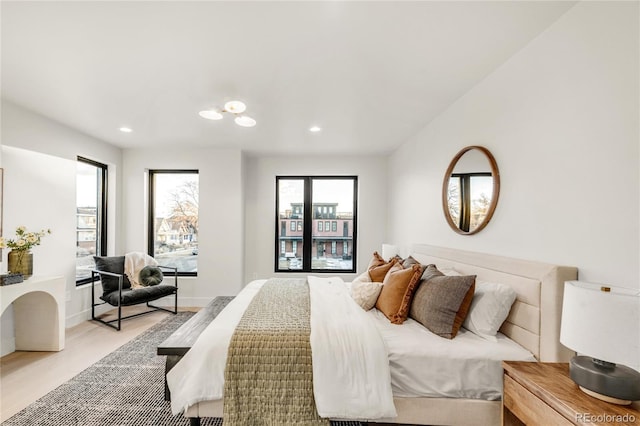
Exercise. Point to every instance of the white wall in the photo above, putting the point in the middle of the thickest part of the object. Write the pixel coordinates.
(221, 216)
(561, 118)
(39, 161)
(260, 204)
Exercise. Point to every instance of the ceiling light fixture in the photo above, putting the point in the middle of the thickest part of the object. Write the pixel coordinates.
(210, 114)
(232, 107)
(125, 130)
(235, 107)
(244, 121)
(315, 129)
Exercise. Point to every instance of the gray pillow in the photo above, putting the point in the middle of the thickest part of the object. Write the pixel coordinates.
(113, 264)
(150, 275)
(442, 302)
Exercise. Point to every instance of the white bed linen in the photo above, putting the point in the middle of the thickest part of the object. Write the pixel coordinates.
(339, 391)
(351, 378)
(199, 376)
(426, 365)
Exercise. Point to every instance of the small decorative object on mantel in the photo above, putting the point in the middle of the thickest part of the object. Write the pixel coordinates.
(20, 258)
(8, 279)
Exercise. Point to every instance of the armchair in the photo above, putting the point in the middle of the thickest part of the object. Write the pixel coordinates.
(117, 291)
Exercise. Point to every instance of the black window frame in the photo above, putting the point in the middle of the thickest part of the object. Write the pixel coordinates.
(101, 210)
(151, 211)
(464, 180)
(307, 234)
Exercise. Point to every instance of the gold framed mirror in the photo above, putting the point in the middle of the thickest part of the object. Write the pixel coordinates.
(470, 190)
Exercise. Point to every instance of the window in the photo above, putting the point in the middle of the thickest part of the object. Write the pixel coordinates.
(473, 190)
(173, 219)
(293, 225)
(299, 225)
(313, 199)
(91, 216)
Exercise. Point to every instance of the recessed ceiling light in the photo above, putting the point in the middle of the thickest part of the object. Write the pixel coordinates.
(125, 130)
(245, 121)
(210, 114)
(235, 107)
(314, 129)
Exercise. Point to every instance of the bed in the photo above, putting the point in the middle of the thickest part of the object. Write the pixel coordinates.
(533, 326)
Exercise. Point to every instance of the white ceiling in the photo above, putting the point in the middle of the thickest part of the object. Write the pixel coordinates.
(371, 74)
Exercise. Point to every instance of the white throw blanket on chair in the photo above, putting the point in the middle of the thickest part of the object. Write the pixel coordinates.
(133, 264)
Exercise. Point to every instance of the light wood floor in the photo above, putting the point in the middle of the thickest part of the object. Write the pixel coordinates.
(27, 376)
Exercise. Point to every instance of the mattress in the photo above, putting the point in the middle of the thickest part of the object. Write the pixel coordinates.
(426, 365)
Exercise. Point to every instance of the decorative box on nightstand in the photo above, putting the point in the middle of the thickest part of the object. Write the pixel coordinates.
(538, 393)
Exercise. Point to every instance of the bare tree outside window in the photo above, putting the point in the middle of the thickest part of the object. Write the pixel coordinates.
(174, 205)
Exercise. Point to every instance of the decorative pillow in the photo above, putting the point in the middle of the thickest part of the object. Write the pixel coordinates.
(365, 292)
(377, 273)
(376, 260)
(409, 262)
(489, 308)
(115, 265)
(397, 290)
(150, 275)
(441, 303)
(378, 267)
(363, 277)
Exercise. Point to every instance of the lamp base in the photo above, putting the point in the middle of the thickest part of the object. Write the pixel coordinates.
(609, 382)
(605, 397)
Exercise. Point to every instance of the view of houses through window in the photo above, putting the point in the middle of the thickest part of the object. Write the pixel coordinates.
(173, 218)
(328, 240)
(91, 226)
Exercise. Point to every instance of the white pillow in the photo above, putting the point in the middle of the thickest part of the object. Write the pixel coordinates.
(365, 292)
(489, 308)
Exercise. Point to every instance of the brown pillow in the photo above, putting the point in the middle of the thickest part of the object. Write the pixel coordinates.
(376, 260)
(441, 302)
(378, 273)
(397, 291)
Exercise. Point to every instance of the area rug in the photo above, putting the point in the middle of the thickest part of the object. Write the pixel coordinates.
(125, 388)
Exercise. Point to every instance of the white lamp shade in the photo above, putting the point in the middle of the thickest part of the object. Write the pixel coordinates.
(602, 324)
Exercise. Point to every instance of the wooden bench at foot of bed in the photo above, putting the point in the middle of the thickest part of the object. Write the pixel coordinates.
(184, 337)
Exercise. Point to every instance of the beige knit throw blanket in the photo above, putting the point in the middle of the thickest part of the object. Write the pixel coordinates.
(268, 376)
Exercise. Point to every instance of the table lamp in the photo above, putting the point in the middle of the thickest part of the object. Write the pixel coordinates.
(602, 324)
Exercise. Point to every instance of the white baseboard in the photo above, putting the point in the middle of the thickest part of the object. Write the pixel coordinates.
(7, 346)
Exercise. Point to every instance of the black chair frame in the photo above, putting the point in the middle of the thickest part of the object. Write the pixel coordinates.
(119, 306)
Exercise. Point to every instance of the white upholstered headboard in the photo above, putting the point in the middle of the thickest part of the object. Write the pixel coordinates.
(534, 320)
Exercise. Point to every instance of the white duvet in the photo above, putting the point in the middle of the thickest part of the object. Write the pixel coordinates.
(351, 378)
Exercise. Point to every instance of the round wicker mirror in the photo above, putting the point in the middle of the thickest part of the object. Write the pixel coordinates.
(470, 190)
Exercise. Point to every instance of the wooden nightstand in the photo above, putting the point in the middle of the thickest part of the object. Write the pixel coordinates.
(543, 394)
